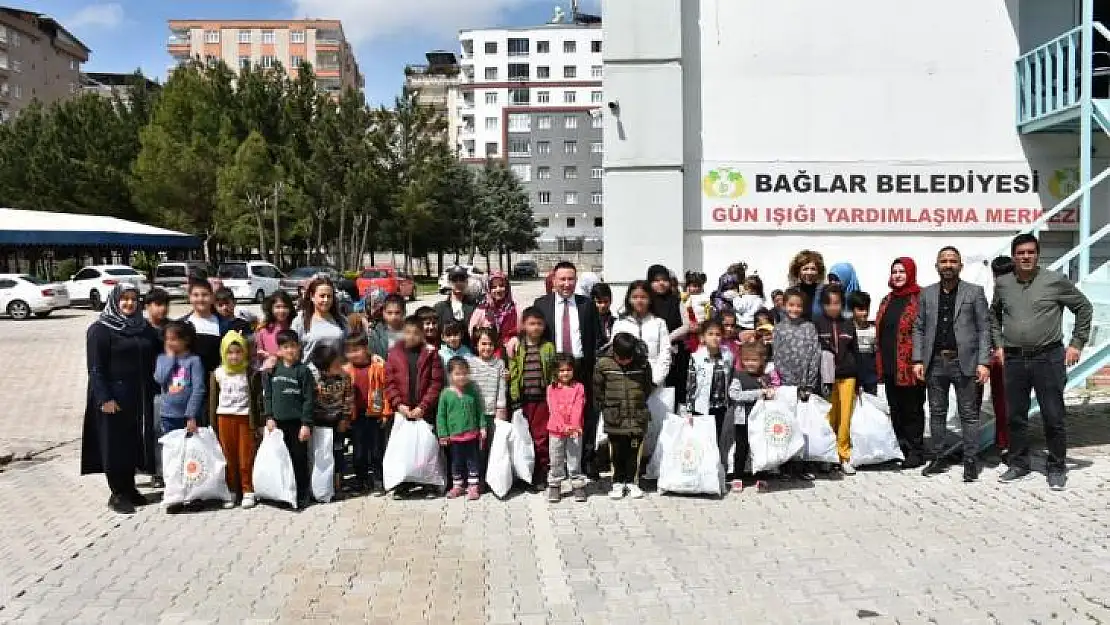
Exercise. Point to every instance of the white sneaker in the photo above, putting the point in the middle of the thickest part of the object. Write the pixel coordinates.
(228, 505)
(635, 492)
(617, 491)
(847, 468)
(248, 500)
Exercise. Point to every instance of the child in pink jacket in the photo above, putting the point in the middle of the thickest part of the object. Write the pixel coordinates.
(566, 400)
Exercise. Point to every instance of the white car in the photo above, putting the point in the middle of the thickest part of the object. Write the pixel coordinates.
(476, 283)
(92, 284)
(22, 296)
(251, 279)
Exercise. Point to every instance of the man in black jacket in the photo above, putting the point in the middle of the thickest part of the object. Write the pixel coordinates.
(458, 307)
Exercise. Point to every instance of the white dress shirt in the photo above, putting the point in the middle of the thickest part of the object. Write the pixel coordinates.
(575, 332)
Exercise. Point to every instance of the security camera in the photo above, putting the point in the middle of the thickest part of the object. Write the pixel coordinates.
(615, 107)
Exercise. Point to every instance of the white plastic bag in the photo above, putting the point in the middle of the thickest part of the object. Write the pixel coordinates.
(820, 440)
(660, 404)
(667, 433)
(499, 471)
(521, 447)
(601, 438)
(194, 468)
(773, 433)
(412, 455)
(873, 439)
(273, 474)
(321, 456)
(691, 462)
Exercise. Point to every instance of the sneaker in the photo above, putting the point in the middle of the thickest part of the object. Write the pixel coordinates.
(737, 486)
(455, 491)
(580, 493)
(121, 505)
(303, 502)
(935, 467)
(156, 481)
(554, 494)
(248, 501)
(228, 505)
(971, 471)
(473, 493)
(635, 492)
(762, 486)
(1057, 480)
(847, 469)
(617, 491)
(1013, 474)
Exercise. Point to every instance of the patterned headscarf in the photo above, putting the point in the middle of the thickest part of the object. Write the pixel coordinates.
(500, 314)
(113, 317)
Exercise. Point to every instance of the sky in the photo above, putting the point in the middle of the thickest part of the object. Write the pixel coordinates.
(386, 34)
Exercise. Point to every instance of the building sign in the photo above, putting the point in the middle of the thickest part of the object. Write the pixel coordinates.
(884, 196)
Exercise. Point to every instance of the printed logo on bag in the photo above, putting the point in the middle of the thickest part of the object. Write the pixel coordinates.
(778, 429)
(689, 457)
(196, 469)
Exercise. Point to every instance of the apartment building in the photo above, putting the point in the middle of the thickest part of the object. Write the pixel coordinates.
(533, 98)
(266, 43)
(112, 85)
(39, 60)
(436, 86)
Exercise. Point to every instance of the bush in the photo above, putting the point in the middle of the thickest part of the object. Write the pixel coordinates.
(64, 269)
(350, 275)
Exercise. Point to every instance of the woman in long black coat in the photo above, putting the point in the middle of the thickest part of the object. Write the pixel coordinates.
(121, 348)
(667, 305)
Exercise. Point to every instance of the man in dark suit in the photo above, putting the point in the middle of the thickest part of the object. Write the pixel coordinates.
(951, 348)
(571, 323)
(458, 307)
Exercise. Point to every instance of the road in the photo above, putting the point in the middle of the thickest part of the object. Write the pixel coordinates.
(880, 547)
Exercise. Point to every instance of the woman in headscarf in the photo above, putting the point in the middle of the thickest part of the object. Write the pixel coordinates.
(807, 272)
(497, 310)
(894, 360)
(120, 349)
(727, 287)
(667, 305)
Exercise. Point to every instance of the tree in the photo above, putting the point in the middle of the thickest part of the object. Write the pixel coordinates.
(504, 205)
(246, 190)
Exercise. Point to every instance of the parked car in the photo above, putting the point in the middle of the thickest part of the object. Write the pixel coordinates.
(526, 269)
(406, 286)
(22, 296)
(92, 284)
(476, 276)
(250, 279)
(384, 278)
(295, 281)
(173, 277)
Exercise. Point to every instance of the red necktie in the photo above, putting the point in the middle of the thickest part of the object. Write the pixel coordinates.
(568, 345)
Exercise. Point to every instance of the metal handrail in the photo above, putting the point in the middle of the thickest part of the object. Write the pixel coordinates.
(1078, 249)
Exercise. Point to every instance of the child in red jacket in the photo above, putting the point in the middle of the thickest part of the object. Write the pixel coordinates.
(566, 399)
(413, 380)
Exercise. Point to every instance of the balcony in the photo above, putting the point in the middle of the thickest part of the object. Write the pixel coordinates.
(327, 39)
(179, 39)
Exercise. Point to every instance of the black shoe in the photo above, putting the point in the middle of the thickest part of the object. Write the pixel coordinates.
(935, 467)
(1057, 480)
(1013, 474)
(156, 481)
(913, 461)
(120, 505)
(137, 499)
(971, 471)
(303, 502)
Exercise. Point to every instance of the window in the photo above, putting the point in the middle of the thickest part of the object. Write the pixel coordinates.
(491, 123)
(543, 97)
(543, 222)
(74, 64)
(468, 146)
(570, 122)
(491, 47)
(596, 96)
(543, 71)
(295, 61)
(595, 47)
(491, 73)
(543, 47)
(596, 148)
(570, 197)
(491, 97)
(570, 147)
(543, 173)
(297, 36)
(569, 97)
(267, 61)
(87, 274)
(17, 66)
(244, 62)
(518, 71)
(518, 47)
(570, 173)
(570, 71)
(543, 197)
(597, 121)
(520, 122)
(595, 198)
(520, 147)
(519, 96)
(268, 36)
(597, 71)
(570, 47)
(211, 36)
(597, 172)
(597, 222)
(543, 122)
(17, 91)
(244, 36)
(543, 147)
(523, 172)
(16, 40)
(571, 222)
(491, 148)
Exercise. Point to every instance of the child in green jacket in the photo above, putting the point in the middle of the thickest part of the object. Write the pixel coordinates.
(460, 422)
(531, 370)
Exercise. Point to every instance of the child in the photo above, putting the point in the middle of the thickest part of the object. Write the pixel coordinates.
(277, 316)
(180, 377)
(156, 304)
(777, 303)
(235, 405)
(566, 401)
(288, 404)
(452, 344)
(531, 369)
(335, 403)
(748, 386)
(766, 334)
(838, 340)
(707, 382)
(868, 376)
(602, 296)
(225, 308)
(622, 383)
(748, 302)
(384, 335)
(413, 380)
(637, 319)
(209, 326)
(460, 423)
(731, 334)
(488, 374)
(429, 323)
(696, 306)
(370, 420)
(797, 356)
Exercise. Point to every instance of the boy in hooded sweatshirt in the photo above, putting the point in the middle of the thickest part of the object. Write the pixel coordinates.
(235, 406)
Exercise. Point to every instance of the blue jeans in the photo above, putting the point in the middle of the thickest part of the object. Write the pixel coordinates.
(1045, 375)
(169, 424)
(369, 436)
(464, 463)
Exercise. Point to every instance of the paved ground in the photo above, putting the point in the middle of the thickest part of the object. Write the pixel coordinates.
(881, 547)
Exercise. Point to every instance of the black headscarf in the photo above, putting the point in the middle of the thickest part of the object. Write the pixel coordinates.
(668, 306)
(112, 316)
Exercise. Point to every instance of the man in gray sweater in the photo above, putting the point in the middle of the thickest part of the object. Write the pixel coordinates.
(1026, 315)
